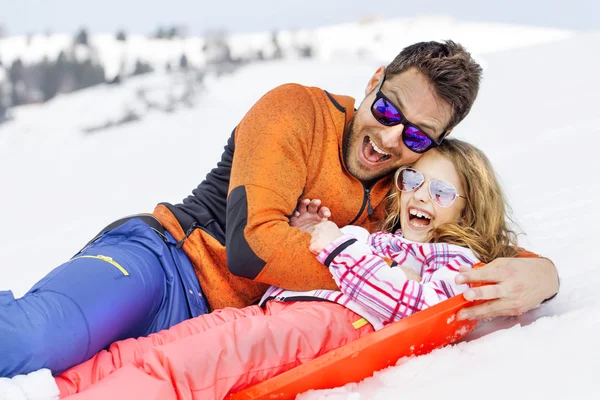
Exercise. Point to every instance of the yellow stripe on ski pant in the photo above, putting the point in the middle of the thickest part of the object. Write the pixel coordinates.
(108, 260)
(359, 323)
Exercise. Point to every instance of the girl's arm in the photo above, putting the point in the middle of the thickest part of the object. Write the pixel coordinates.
(364, 274)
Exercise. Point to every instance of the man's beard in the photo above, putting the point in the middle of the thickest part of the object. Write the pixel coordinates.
(362, 174)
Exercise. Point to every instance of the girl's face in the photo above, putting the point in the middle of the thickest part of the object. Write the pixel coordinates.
(419, 214)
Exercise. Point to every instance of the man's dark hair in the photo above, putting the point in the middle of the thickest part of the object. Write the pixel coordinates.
(453, 73)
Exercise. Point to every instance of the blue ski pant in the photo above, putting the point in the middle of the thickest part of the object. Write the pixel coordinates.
(128, 283)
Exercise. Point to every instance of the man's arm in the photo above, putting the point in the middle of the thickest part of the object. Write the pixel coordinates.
(269, 172)
(512, 286)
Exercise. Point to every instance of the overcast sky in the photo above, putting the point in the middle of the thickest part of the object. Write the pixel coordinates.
(144, 16)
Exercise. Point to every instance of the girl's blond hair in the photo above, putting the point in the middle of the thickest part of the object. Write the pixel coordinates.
(483, 226)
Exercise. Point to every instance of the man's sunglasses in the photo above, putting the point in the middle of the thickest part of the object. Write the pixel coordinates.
(442, 192)
(386, 113)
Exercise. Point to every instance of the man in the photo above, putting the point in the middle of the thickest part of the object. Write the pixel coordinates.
(231, 238)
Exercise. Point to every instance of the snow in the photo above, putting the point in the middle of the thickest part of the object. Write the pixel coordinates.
(536, 118)
(374, 39)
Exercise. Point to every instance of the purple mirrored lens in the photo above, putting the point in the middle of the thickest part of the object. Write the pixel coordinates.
(416, 140)
(409, 180)
(442, 192)
(385, 112)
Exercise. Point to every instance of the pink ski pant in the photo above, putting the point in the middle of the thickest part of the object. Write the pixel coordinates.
(212, 355)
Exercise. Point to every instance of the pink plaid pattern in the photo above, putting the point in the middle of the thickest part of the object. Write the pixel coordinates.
(380, 293)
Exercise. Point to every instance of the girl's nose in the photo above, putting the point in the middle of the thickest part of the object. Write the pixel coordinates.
(421, 194)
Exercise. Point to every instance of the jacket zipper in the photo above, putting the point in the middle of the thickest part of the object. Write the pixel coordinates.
(190, 230)
(366, 202)
(367, 197)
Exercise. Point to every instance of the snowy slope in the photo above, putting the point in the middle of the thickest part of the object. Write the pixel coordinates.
(536, 118)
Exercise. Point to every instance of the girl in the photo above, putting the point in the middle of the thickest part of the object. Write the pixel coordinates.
(451, 213)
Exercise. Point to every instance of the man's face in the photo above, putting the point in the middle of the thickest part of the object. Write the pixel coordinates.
(374, 150)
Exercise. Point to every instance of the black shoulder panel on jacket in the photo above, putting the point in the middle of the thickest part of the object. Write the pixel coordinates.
(335, 103)
(241, 260)
(206, 206)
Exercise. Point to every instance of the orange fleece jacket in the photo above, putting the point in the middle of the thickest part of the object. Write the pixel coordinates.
(288, 146)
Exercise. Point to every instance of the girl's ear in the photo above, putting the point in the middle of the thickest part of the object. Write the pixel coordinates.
(375, 79)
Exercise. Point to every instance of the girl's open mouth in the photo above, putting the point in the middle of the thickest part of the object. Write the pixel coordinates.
(419, 219)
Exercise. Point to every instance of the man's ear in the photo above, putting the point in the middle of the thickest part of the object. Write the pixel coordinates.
(448, 133)
(374, 81)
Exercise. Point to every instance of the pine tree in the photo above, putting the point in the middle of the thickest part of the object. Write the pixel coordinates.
(16, 75)
(48, 84)
(173, 33)
(141, 68)
(160, 33)
(82, 37)
(183, 62)
(277, 53)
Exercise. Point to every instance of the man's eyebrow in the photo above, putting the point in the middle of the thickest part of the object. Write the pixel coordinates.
(423, 125)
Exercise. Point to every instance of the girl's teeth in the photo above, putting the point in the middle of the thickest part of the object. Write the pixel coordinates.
(417, 224)
(419, 214)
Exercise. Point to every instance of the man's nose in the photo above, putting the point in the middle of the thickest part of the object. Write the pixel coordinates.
(391, 137)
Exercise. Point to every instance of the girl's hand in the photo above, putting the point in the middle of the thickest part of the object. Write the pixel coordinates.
(322, 234)
(411, 275)
(309, 213)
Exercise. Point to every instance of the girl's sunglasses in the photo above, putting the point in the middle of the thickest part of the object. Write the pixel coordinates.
(442, 192)
(386, 113)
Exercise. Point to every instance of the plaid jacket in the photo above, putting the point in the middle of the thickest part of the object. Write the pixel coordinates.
(364, 268)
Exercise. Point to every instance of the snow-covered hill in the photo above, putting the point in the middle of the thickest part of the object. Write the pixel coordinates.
(374, 39)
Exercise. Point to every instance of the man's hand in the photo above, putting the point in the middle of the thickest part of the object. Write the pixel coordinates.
(309, 213)
(322, 234)
(512, 286)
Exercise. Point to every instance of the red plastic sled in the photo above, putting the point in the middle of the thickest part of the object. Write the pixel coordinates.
(418, 334)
